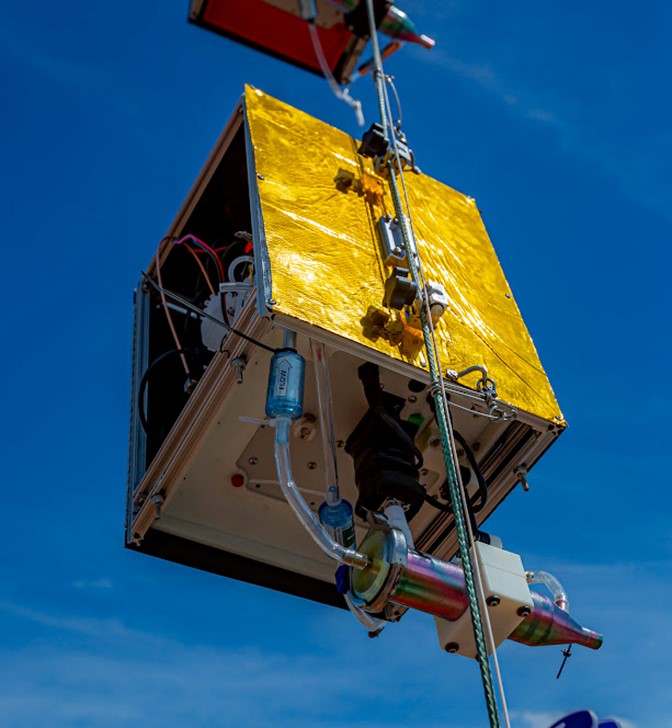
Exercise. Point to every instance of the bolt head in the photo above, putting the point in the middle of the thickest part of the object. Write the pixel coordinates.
(452, 647)
(312, 465)
(493, 601)
(524, 611)
(253, 461)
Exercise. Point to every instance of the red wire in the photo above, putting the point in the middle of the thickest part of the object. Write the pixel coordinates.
(196, 240)
(204, 252)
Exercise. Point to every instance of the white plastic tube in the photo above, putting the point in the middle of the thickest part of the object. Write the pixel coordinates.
(554, 586)
(321, 369)
(331, 548)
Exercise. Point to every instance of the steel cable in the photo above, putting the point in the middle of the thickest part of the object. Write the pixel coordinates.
(455, 487)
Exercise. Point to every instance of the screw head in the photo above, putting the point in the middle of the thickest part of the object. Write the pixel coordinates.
(524, 611)
(253, 461)
(452, 647)
(412, 399)
(312, 465)
(435, 441)
(260, 176)
(339, 443)
(493, 601)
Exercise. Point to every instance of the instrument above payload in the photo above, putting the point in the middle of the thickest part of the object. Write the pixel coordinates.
(278, 28)
(289, 256)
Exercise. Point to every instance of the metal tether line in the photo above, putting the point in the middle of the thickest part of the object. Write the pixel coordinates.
(429, 321)
(456, 490)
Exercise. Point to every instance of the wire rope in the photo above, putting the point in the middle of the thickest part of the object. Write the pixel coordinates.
(475, 565)
(482, 628)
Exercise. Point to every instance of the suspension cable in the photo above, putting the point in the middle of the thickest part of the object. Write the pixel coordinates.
(482, 634)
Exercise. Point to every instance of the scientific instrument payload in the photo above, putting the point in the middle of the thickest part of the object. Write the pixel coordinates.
(301, 230)
(324, 325)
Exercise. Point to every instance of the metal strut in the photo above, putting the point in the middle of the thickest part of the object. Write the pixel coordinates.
(438, 392)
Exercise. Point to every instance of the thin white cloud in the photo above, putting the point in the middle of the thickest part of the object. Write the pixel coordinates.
(485, 76)
(639, 164)
(93, 584)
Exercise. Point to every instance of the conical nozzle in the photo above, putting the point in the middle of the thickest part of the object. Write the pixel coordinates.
(398, 25)
(547, 624)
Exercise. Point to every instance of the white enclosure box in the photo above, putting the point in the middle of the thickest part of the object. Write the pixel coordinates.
(202, 486)
(507, 597)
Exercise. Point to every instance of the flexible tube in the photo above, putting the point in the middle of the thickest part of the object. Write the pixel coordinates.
(324, 400)
(373, 626)
(302, 510)
(555, 587)
(340, 93)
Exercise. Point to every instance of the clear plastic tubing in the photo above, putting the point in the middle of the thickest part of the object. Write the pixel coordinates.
(555, 587)
(283, 426)
(372, 625)
(284, 402)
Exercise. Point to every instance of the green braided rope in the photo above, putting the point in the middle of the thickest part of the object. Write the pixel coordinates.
(443, 421)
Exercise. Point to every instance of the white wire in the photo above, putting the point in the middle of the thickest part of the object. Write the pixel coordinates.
(388, 123)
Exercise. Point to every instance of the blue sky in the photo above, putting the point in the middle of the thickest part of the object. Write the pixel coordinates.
(557, 118)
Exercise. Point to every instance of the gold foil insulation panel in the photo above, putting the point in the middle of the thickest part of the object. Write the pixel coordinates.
(320, 202)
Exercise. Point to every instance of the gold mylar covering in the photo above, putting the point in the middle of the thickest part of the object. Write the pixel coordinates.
(320, 202)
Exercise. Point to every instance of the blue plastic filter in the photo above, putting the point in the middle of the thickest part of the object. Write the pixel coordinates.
(284, 397)
(338, 521)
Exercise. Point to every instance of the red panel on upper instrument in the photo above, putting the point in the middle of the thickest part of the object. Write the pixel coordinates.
(277, 32)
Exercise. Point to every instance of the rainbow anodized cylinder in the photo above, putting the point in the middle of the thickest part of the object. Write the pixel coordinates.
(399, 575)
(547, 624)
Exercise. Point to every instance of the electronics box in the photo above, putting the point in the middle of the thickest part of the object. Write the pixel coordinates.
(202, 485)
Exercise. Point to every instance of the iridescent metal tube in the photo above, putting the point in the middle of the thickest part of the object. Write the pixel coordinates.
(399, 575)
(547, 624)
(431, 585)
